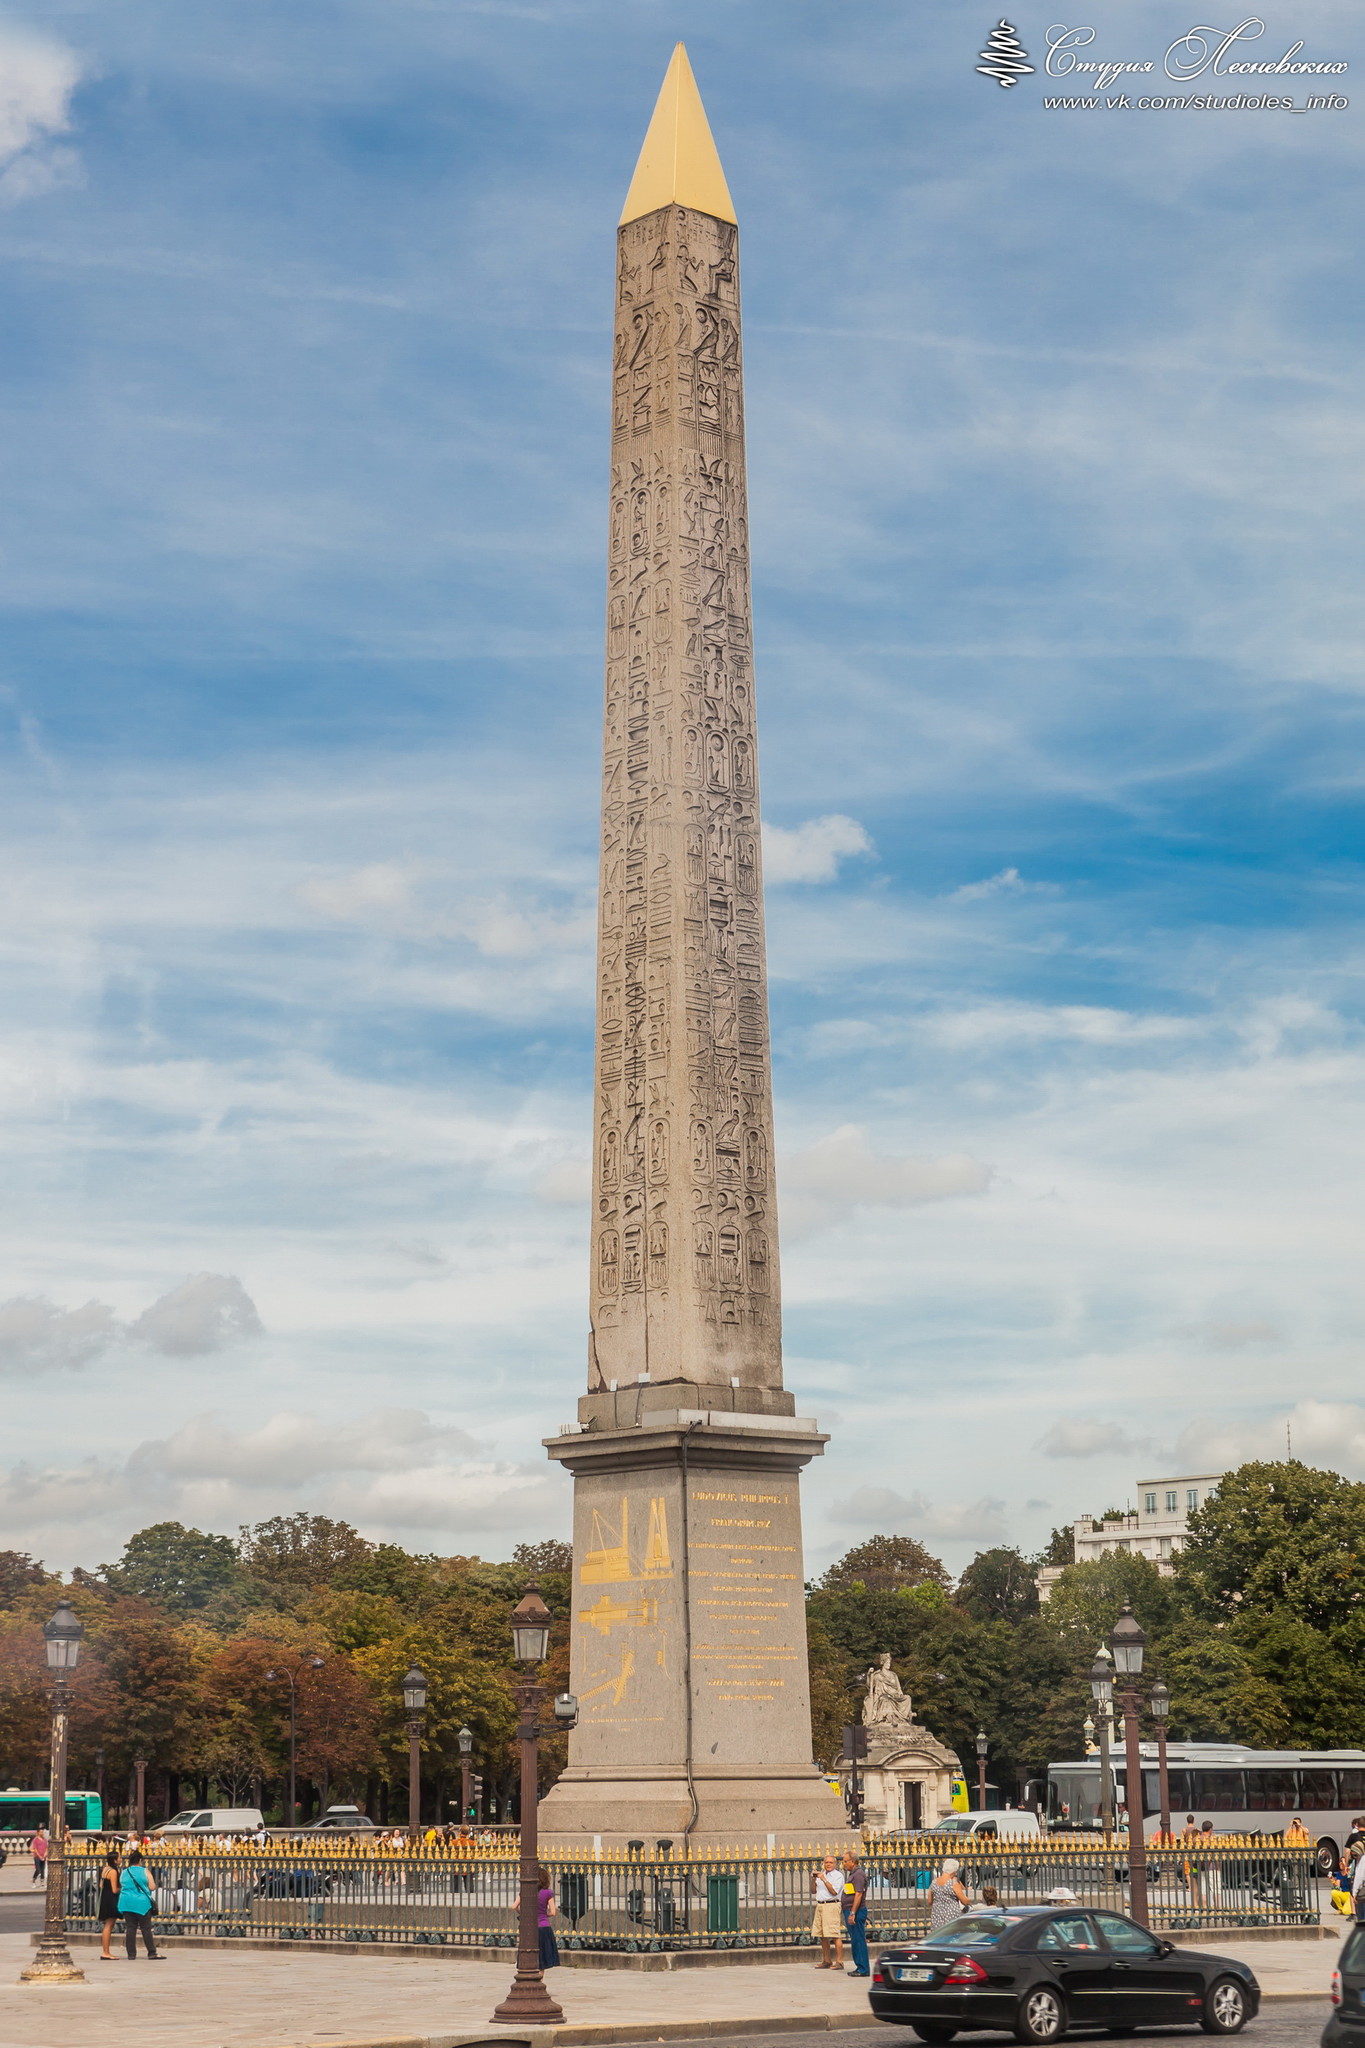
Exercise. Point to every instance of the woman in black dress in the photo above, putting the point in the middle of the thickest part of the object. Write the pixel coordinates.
(110, 1873)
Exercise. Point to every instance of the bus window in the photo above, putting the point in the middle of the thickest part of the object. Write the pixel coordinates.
(1318, 1790)
(1219, 1791)
(1272, 1791)
(1352, 1791)
(1179, 1782)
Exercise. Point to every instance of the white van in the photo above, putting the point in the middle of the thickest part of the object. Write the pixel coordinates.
(213, 1820)
(1008, 1823)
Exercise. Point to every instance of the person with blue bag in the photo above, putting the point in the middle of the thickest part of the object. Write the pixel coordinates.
(135, 1902)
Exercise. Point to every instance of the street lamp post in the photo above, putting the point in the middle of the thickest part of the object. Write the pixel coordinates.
(1128, 1639)
(1102, 1689)
(52, 1964)
(140, 1794)
(528, 2000)
(292, 1674)
(415, 1700)
(1161, 1708)
(982, 1752)
(465, 1738)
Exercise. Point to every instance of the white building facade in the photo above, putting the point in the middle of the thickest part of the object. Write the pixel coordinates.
(1156, 1528)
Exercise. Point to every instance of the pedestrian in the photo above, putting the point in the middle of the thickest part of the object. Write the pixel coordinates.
(37, 1849)
(855, 1913)
(1296, 1835)
(827, 1889)
(1358, 1888)
(947, 1899)
(990, 1899)
(545, 1910)
(1356, 1836)
(110, 1876)
(135, 1904)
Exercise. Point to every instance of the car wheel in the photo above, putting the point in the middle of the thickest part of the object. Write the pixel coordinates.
(933, 2030)
(1225, 2008)
(1042, 2015)
(1326, 1858)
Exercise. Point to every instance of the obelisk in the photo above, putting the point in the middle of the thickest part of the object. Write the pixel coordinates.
(689, 1641)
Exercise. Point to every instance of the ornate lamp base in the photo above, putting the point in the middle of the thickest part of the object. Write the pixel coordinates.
(51, 1965)
(528, 2000)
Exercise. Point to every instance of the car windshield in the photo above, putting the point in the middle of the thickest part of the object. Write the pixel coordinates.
(1353, 1955)
(974, 1929)
(182, 1820)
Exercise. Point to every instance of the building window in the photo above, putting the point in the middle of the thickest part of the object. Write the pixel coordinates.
(1171, 1502)
(1149, 1503)
(1192, 1498)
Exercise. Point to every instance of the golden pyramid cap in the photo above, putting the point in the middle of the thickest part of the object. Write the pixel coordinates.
(678, 164)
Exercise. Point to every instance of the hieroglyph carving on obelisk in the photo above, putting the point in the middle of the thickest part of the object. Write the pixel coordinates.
(684, 1278)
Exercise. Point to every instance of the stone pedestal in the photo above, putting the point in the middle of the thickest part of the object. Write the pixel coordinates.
(907, 1779)
(689, 1635)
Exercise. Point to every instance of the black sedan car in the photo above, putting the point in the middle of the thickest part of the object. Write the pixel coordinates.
(1038, 1970)
(1346, 2028)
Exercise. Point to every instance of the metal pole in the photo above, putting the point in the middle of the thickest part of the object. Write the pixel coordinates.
(293, 1730)
(1137, 1839)
(465, 1774)
(140, 1776)
(528, 1999)
(981, 1783)
(1106, 1775)
(52, 1964)
(414, 1775)
(1165, 1781)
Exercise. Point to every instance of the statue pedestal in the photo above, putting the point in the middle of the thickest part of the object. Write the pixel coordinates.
(907, 1778)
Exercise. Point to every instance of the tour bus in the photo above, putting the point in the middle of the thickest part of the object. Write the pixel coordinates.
(1242, 1791)
(24, 1812)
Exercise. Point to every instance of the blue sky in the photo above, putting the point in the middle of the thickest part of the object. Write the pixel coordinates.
(1055, 465)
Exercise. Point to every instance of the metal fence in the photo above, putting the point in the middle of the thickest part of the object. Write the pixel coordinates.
(468, 1899)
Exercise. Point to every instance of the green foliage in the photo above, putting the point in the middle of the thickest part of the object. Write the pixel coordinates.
(1060, 1549)
(1278, 1538)
(291, 1554)
(998, 1585)
(1217, 1693)
(883, 1564)
(20, 1574)
(180, 1569)
(1088, 1598)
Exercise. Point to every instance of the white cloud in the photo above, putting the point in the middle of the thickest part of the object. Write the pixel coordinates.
(1232, 1335)
(568, 1180)
(204, 1314)
(842, 1172)
(1077, 1437)
(358, 896)
(1329, 1433)
(951, 1521)
(37, 1336)
(1007, 882)
(37, 79)
(811, 852)
(293, 1448)
(390, 1471)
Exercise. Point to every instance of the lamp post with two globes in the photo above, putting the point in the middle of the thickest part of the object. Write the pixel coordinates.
(528, 2000)
(1128, 1639)
(52, 1964)
(313, 1663)
(1102, 1691)
(415, 1700)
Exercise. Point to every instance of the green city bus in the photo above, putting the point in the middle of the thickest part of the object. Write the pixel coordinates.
(22, 1813)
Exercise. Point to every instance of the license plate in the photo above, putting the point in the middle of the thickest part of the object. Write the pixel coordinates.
(914, 1976)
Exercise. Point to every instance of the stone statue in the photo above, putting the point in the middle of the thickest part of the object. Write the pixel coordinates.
(887, 1706)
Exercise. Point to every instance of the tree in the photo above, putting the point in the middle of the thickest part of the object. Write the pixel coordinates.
(998, 1585)
(180, 1569)
(1088, 1598)
(1058, 1551)
(885, 1564)
(20, 1574)
(336, 1724)
(1217, 1694)
(1279, 1537)
(291, 1554)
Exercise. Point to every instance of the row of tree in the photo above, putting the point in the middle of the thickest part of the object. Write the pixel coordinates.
(191, 1640)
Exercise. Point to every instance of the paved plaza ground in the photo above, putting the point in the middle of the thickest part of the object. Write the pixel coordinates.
(261, 1999)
